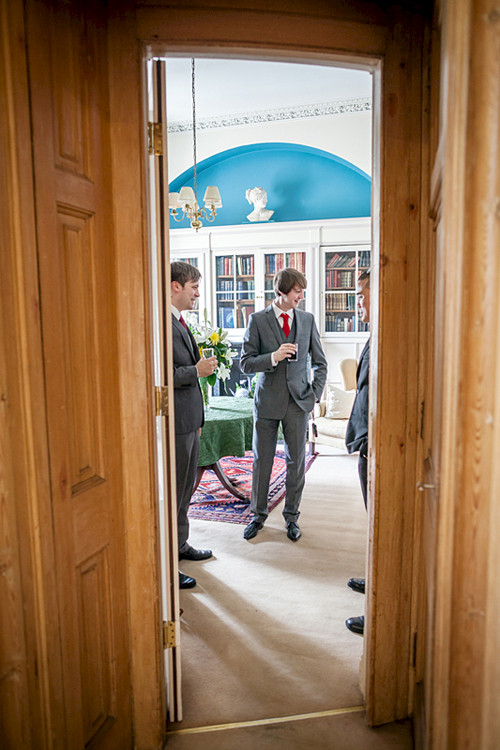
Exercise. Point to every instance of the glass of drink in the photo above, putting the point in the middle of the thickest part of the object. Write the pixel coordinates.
(293, 358)
(207, 353)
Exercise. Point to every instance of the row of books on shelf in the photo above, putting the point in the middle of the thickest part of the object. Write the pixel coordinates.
(338, 323)
(339, 279)
(278, 261)
(230, 317)
(341, 260)
(191, 261)
(240, 297)
(226, 264)
(227, 285)
(335, 323)
(340, 301)
(348, 259)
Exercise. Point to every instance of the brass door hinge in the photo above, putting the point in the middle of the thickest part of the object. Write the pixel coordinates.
(161, 400)
(155, 138)
(168, 634)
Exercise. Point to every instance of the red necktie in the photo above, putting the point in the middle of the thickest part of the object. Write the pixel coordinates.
(286, 327)
(183, 322)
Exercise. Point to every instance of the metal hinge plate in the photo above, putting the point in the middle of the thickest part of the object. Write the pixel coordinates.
(155, 139)
(161, 399)
(168, 634)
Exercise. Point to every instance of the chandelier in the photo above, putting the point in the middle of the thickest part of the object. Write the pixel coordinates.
(187, 200)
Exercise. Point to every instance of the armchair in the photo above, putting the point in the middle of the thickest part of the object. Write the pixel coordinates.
(329, 419)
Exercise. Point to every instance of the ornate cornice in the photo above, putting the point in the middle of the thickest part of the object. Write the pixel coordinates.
(338, 107)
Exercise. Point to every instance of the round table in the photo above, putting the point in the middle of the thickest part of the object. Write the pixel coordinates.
(227, 431)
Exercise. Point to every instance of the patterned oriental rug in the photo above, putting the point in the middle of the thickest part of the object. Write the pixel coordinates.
(211, 502)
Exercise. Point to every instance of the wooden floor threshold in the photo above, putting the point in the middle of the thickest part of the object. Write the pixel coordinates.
(265, 722)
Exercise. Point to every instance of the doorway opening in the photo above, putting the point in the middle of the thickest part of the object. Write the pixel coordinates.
(237, 259)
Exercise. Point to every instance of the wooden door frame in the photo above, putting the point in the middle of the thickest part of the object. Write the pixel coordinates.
(294, 30)
(395, 47)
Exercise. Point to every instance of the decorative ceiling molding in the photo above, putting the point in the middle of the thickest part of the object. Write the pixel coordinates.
(338, 107)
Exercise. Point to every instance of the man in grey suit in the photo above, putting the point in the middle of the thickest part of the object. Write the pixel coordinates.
(188, 402)
(283, 346)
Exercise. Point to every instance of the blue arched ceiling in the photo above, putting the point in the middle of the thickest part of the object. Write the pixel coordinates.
(301, 182)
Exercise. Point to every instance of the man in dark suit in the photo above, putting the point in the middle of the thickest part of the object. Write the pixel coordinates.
(189, 413)
(282, 345)
(357, 427)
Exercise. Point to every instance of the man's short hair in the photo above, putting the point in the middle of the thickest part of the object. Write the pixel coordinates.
(286, 279)
(183, 272)
(365, 276)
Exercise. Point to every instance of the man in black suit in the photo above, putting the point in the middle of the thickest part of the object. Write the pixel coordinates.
(357, 428)
(189, 413)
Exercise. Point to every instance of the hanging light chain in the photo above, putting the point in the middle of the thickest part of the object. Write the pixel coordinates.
(194, 129)
(184, 199)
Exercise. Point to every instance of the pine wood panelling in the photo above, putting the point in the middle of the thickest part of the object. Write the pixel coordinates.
(15, 727)
(99, 704)
(393, 375)
(478, 399)
(61, 502)
(31, 713)
(135, 384)
(78, 291)
(303, 30)
(79, 329)
(72, 127)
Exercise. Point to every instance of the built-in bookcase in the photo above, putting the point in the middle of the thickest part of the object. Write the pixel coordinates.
(238, 265)
(244, 283)
(234, 289)
(341, 268)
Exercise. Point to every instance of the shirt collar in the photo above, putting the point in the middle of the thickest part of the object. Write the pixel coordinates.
(175, 312)
(278, 311)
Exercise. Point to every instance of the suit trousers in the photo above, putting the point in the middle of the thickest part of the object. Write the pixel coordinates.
(187, 449)
(363, 475)
(265, 437)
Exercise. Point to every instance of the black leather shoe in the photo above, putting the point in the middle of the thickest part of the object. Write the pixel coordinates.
(357, 584)
(252, 529)
(292, 531)
(356, 624)
(190, 553)
(186, 582)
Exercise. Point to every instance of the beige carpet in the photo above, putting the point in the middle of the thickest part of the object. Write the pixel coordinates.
(263, 633)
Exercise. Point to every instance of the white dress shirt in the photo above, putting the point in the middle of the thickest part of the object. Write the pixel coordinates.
(279, 312)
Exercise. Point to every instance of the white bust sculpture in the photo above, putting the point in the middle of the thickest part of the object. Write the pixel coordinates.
(258, 197)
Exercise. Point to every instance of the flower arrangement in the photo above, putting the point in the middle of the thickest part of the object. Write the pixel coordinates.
(206, 336)
(244, 390)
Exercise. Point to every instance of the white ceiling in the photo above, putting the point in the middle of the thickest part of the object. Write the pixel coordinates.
(227, 87)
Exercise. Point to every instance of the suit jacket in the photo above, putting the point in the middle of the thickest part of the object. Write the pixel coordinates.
(356, 438)
(189, 413)
(275, 384)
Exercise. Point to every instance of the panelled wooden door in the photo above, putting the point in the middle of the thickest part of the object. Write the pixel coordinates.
(67, 69)
(163, 377)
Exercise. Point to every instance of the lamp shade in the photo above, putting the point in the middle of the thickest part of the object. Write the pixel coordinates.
(186, 196)
(173, 200)
(212, 197)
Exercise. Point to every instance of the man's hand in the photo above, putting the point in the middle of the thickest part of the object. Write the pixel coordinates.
(206, 367)
(285, 351)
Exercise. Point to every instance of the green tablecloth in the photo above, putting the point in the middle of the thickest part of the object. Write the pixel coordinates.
(227, 430)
